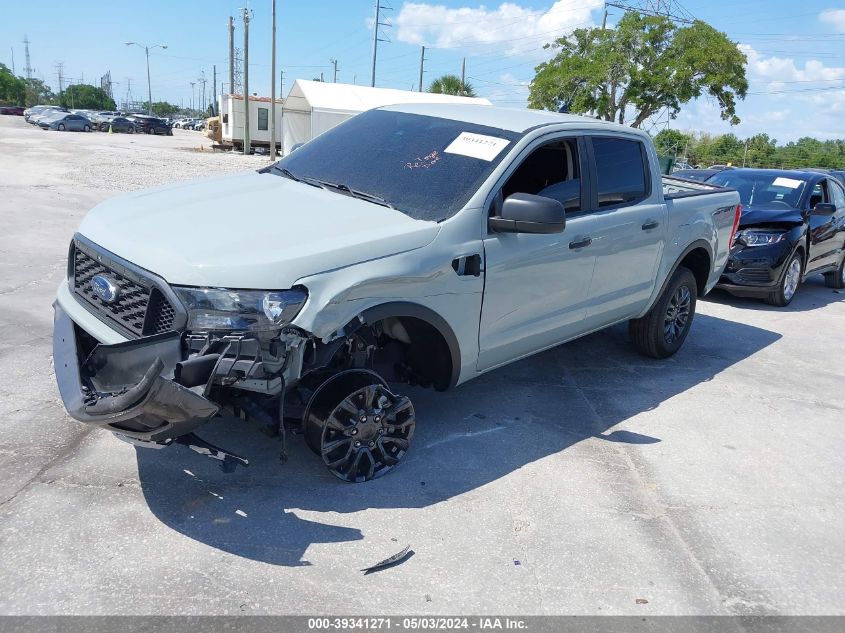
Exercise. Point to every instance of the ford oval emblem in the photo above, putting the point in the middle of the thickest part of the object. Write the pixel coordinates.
(104, 288)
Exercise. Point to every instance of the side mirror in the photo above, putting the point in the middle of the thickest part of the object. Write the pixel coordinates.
(526, 213)
(823, 208)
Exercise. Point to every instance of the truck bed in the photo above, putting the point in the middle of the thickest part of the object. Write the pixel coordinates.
(674, 188)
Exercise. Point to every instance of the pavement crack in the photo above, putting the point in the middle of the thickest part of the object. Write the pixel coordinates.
(56, 459)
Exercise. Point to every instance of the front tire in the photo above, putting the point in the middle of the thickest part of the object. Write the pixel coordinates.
(788, 284)
(664, 328)
(60, 127)
(836, 279)
(359, 428)
(87, 128)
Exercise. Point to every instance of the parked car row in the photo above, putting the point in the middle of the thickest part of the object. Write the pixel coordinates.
(58, 118)
(190, 124)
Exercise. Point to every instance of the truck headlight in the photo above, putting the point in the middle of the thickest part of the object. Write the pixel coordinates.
(240, 310)
(761, 238)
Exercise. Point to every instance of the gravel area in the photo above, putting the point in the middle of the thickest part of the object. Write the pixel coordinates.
(123, 162)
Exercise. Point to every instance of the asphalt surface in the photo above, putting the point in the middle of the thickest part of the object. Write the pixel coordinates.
(585, 480)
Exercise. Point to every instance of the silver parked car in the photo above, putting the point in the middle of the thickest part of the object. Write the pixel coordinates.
(70, 122)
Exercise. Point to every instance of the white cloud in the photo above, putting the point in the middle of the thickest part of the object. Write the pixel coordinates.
(835, 18)
(775, 70)
(513, 27)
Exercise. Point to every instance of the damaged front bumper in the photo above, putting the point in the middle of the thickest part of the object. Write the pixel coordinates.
(127, 388)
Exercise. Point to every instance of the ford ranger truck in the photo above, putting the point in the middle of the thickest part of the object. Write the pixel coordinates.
(413, 244)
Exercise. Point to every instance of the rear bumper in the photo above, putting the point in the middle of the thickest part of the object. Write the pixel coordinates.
(127, 388)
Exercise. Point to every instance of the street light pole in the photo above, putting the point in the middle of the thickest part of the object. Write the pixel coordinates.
(149, 84)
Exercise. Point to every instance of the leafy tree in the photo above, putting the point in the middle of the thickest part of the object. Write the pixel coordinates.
(645, 64)
(670, 142)
(12, 89)
(161, 108)
(37, 92)
(451, 85)
(86, 97)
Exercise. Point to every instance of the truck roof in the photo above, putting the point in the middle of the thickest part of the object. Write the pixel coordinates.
(513, 119)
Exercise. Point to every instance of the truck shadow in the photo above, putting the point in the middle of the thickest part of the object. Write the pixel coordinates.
(465, 438)
(811, 295)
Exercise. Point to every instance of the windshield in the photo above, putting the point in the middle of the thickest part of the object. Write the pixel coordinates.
(770, 189)
(425, 167)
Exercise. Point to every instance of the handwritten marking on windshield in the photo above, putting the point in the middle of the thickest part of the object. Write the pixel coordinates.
(425, 162)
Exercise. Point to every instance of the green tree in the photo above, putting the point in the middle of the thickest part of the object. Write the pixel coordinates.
(451, 85)
(645, 64)
(37, 92)
(670, 142)
(162, 108)
(12, 89)
(86, 97)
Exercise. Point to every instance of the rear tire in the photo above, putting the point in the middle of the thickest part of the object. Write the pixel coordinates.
(836, 279)
(788, 284)
(664, 328)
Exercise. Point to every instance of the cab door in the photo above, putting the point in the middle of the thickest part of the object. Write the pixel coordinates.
(629, 229)
(826, 231)
(536, 285)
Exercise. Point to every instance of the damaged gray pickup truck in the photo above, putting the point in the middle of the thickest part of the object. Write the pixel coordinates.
(422, 245)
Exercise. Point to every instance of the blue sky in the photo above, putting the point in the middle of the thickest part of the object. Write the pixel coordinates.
(796, 53)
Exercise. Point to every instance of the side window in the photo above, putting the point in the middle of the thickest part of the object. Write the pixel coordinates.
(838, 195)
(226, 118)
(262, 118)
(552, 170)
(620, 171)
(819, 194)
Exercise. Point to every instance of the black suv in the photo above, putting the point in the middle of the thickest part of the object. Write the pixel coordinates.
(149, 124)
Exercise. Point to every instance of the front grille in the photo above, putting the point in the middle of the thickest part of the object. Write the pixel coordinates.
(140, 309)
(754, 275)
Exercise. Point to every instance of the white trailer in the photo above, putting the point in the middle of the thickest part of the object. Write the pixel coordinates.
(232, 121)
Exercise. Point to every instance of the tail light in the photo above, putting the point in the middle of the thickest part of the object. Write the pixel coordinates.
(737, 215)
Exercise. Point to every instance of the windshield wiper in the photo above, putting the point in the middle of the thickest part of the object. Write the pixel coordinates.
(355, 193)
(288, 174)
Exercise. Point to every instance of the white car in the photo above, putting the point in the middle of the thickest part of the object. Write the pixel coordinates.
(421, 244)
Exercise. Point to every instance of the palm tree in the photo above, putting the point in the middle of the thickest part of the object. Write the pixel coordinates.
(451, 85)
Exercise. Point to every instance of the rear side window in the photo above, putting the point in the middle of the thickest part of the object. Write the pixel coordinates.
(620, 171)
(838, 195)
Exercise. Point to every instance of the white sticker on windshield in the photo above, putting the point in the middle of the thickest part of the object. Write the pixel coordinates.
(477, 146)
(787, 182)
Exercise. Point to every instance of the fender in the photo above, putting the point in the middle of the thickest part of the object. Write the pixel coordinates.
(408, 309)
(696, 244)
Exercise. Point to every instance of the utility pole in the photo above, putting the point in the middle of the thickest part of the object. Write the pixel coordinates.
(13, 59)
(463, 72)
(231, 55)
(215, 112)
(334, 63)
(202, 80)
(246, 81)
(422, 66)
(28, 68)
(149, 85)
(61, 77)
(604, 18)
(192, 96)
(376, 24)
(273, 85)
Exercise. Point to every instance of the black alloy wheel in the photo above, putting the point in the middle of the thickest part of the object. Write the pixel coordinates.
(358, 426)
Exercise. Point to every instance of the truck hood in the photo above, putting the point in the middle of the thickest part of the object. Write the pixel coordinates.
(758, 214)
(249, 230)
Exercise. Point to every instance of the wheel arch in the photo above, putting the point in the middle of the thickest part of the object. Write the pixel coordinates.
(698, 257)
(433, 320)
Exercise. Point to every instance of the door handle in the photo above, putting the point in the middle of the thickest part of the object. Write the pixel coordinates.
(586, 241)
(650, 224)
